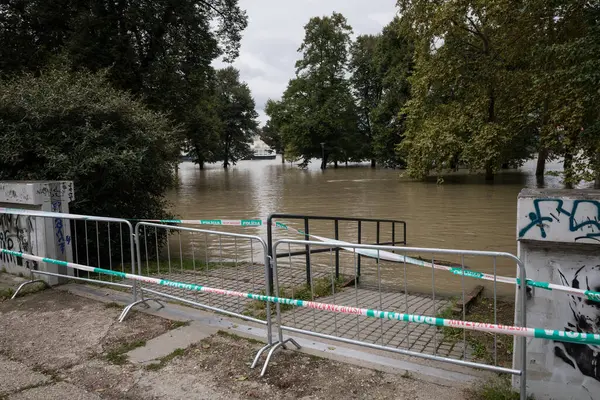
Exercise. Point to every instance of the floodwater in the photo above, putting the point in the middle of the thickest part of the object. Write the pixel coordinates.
(462, 213)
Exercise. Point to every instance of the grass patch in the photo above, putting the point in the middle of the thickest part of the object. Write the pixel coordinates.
(496, 389)
(118, 356)
(233, 336)
(6, 293)
(322, 287)
(178, 324)
(164, 360)
(113, 304)
(482, 343)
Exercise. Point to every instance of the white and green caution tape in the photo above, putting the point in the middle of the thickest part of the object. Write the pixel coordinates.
(562, 336)
(227, 222)
(372, 253)
(389, 256)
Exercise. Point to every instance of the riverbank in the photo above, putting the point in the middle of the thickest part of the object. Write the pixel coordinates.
(60, 346)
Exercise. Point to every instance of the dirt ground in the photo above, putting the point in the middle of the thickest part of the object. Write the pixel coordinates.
(54, 345)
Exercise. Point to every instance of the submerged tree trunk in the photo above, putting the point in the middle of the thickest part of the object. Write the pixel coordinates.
(373, 163)
(283, 157)
(335, 164)
(570, 149)
(201, 164)
(324, 161)
(568, 169)
(543, 151)
(489, 173)
(597, 172)
(541, 162)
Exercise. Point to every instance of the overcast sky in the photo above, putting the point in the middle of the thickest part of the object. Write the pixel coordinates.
(276, 30)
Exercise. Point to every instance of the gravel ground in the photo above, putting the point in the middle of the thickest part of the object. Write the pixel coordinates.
(54, 345)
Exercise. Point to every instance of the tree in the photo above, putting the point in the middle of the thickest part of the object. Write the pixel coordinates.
(317, 113)
(467, 87)
(566, 67)
(394, 59)
(271, 132)
(367, 84)
(160, 51)
(119, 154)
(236, 108)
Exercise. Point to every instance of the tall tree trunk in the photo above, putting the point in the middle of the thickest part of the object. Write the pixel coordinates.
(283, 157)
(541, 161)
(201, 164)
(489, 173)
(567, 171)
(597, 172)
(570, 149)
(226, 156)
(373, 163)
(543, 151)
(324, 161)
(335, 164)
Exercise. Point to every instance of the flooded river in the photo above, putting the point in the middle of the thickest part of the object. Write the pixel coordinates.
(462, 213)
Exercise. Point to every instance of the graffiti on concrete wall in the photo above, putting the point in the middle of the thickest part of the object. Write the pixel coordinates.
(16, 232)
(583, 316)
(62, 240)
(561, 220)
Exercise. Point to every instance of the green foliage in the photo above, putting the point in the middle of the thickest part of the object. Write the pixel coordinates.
(394, 60)
(118, 355)
(465, 88)
(567, 74)
(159, 51)
(499, 388)
(235, 106)
(495, 82)
(317, 114)
(356, 119)
(163, 361)
(367, 84)
(59, 125)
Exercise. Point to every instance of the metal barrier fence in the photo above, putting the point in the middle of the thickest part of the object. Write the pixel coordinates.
(383, 293)
(229, 261)
(375, 228)
(95, 241)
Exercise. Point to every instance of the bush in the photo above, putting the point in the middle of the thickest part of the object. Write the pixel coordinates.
(60, 125)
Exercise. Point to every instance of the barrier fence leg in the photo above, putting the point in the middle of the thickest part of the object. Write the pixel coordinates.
(29, 282)
(523, 340)
(281, 342)
(269, 319)
(135, 239)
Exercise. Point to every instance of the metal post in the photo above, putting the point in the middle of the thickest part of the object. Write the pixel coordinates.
(393, 233)
(135, 239)
(358, 258)
(378, 232)
(337, 251)
(404, 226)
(523, 340)
(270, 252)
(307, 237)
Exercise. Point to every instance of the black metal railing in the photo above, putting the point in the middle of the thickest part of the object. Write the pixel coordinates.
(336, 233)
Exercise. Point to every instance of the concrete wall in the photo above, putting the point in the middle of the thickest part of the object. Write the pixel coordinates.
(559, 242)
(44, 237)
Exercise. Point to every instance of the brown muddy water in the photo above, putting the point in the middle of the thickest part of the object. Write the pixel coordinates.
(464, 212)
